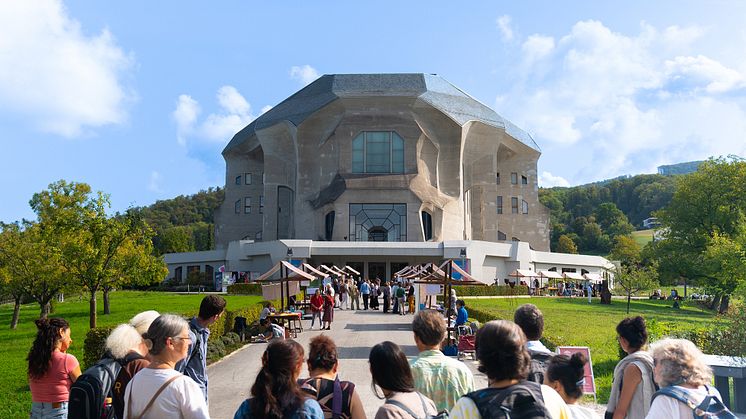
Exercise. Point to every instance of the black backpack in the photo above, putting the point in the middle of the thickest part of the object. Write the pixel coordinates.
(519, 401)
(91, 394)
(538, 367)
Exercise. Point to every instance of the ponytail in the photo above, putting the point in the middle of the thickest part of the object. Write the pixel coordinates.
(275, 393)
(47, 335)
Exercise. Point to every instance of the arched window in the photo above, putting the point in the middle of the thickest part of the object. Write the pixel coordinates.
(378, 152)
(427, 226)
(329, 226)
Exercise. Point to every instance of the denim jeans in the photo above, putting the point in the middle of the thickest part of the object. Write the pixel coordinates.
(43, 410)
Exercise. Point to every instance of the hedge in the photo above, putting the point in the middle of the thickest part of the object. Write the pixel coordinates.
(245, 289)
(482, 317)
(489, 290)
(95, 340)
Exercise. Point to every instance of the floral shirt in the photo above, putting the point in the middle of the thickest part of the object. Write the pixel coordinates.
(441, 378)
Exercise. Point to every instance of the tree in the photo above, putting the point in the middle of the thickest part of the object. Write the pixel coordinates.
(97, 251)
(32, 263)
(707, 210)
(11, 287)
(176, 240)
(566, 245)
(633, 279)
(626, 250)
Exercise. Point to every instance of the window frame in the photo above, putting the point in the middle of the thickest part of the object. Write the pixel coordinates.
(360, 158)
(247, 178)
(237, 207)
(497, 178)
(261, 204)
(513, 178)
(247, 205)
(499, 203)
(238, 180)
(524, 206)
(524, 180)
(514, 205)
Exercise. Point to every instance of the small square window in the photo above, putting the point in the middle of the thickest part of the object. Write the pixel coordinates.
(514, 205)
(524, 180)
(237, 207)
(247, 178)
(247, 205)
(497, 178)
(238, 180)
(499, 204)
(514, 178)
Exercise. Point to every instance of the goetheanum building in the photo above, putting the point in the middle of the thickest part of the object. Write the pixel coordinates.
(378, 171)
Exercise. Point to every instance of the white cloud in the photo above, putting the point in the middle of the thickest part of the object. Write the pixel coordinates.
(627, 102)
(234, 114)
(548, 180)
(266, 108)
(304, 74)
(154, 184)
(55, 76)
(504, 24)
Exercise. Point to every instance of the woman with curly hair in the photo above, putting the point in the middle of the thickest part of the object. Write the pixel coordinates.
(632, 387)
(276, 393)
(683, 376)
(51, 370)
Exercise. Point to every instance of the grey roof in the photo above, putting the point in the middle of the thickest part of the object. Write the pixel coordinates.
(430, 88)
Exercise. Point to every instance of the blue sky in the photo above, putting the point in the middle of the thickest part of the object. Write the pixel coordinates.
(138, 98)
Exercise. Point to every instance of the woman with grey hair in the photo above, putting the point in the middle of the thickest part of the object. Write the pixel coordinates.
(127, 347)
(684, 379)
(159, 390)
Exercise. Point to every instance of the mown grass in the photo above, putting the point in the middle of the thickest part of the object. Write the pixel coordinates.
(574, 322)
(643, 237)
(15, 344)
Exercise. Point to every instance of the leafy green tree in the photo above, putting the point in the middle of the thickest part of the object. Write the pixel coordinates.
(11, 287)
(566, 245)
(96, 250)
(702, 226)
(176, 239)
(632, 279)
(626, 250)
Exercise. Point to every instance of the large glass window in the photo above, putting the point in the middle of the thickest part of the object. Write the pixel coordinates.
(427, 225)
(378, 222)
(378, 152)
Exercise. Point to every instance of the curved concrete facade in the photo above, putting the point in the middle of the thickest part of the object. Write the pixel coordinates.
(290, 174)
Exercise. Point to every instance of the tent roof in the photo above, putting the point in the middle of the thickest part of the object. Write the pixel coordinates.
(593, 277)
(299, 274)
(314, 270)
(521, 273)
(550, 274)
(573, 275)
(351, 270)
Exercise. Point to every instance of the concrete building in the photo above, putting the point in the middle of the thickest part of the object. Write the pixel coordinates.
(379, 171)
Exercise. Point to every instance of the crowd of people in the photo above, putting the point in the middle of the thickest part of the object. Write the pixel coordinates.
(163, 372)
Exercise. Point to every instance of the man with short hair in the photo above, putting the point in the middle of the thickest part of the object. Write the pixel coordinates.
(531, 320)
(195, 364)
(437, 376)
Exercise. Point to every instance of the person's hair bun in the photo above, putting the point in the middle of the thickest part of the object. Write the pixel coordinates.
(578, 360)
(41, 323)
(639, 321)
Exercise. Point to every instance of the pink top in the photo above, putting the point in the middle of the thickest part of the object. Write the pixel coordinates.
(54, 386)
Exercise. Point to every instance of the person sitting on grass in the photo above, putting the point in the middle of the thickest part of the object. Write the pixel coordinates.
(566, 375)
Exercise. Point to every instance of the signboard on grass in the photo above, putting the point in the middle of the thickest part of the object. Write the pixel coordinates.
(589, 387)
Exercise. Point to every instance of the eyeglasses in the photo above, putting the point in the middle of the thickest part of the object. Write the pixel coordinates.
(182, 338)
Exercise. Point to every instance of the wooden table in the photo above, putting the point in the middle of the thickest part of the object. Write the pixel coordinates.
(291, 321)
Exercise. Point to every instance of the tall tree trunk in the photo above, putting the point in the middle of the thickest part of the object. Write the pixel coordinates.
(92, 310)
(715, 302)
(45, 308)
(724, 304)
(106, 300)
(16, 311)
(629, 299)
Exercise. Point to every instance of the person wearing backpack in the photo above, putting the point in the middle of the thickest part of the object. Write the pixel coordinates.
(684, 381)
(531, 320)
(503, 357)
(338, 399)
(389, 370)
(194, 365)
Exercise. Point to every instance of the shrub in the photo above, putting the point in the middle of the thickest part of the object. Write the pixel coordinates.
(234, 336)
(489, 290)
(245, 289)
(227, 340)
(215, 349)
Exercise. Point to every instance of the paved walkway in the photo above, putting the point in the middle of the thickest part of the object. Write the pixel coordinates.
(354, 332)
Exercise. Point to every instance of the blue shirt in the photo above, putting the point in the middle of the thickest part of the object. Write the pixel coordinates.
(194, 365)
(364, 288)
(310, 409)
(462, 316)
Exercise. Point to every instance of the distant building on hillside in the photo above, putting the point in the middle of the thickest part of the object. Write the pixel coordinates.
(679, 168)
(651, 222)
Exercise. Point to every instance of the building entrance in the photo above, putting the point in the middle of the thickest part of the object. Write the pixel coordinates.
(377, 270)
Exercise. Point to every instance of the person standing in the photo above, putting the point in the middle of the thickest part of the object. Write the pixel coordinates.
(194, 365)
(632, 388)
(410, 297)
(386, 291)
(328, 311)
(531, 320)
(395, 300)
(354, 296)
(51, 370)
(401, 293)
(365, 291)
(343, 295)
(437, 376)
(317, 306)
(374, 294)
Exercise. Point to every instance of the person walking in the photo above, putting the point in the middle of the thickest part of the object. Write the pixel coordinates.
(390, 371)
(194, 365)
(437, 376)
(503, 357)
(51, 370)
(632, 387)
(354, 296)
(328, 311)
(324, 384)
(160, 391)
(386, 292)
(343, 296)
(275, 393)
(317, 306)
(566, 375)
(365, 291)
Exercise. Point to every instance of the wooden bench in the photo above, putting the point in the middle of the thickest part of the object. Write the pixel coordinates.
(724, 368)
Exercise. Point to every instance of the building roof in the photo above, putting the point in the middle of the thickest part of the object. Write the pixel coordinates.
(429, 88)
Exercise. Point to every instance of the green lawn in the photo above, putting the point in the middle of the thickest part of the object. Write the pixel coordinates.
(15, 344)
(574, 322)
(643, 237)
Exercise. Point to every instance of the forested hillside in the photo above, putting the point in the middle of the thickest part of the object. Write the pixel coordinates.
(184, 223)
(590, 217)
